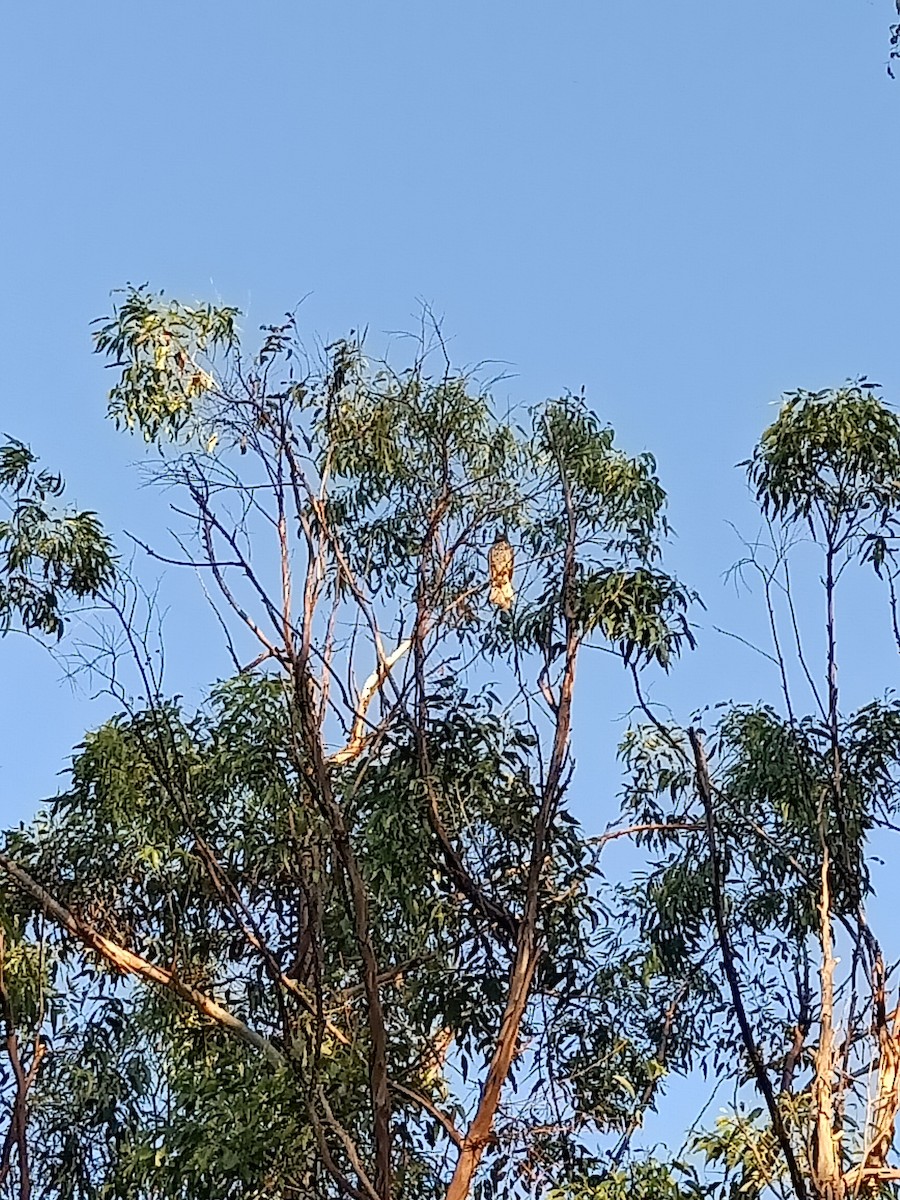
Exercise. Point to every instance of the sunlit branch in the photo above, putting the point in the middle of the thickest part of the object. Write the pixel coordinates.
(129, 963)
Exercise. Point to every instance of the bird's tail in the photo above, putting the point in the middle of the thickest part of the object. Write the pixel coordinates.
(502, 595)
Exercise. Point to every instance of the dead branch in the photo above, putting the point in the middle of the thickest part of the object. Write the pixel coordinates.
(358, 736)
(601, 839)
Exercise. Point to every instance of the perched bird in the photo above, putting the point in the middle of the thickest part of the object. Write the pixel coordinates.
(500, 564)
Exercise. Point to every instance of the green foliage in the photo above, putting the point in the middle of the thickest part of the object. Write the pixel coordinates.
(301, 825)
(397, 447)
(620, 499)
(743, 1144)
(25, 974)
(648, 1180)
(46, 556)
(122, 847)
(611, 587)
(610, 1032)
(774, 803)
(204, 840)
(203, 1125)
(163, 350)
(832, 456)
(642, 612)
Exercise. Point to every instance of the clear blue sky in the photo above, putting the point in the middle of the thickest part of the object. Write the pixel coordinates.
(687, 208)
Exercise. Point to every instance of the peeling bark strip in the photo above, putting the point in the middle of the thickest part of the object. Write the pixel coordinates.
(358, 735)
(826, 1162)
(886, 1103)
(132, 964)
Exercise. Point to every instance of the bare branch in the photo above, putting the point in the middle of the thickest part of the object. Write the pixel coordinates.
(424, 1103)
(661, 827)
(348, 1144)
(369, 690)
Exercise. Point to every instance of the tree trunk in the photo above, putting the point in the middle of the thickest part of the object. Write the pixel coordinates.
(479, 1134)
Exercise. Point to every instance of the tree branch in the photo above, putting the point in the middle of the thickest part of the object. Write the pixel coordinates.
(601, 839)
(358, 737)
(704, 788)
(423, 1102)
(133, 964)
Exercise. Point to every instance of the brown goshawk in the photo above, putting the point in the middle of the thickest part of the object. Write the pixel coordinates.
(501, 560)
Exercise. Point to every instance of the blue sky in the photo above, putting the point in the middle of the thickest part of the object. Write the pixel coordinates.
(685, 208)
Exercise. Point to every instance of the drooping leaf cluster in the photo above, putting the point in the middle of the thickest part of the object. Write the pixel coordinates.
(832, 458)
(163, 350)
(46, 555)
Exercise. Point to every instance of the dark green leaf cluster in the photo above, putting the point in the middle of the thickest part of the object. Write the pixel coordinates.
(140, 1095)
(833, 456)
(409, 454)
(131, 1106)
(645, 1180)
(776, 811)
(643, 612)
(746, 1150)
(609, 1035)
(46, 556)
(590, 497)
(619, 499)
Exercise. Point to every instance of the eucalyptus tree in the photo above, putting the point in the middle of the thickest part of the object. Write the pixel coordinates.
(325, 935)
(335, 931)
(766, 899)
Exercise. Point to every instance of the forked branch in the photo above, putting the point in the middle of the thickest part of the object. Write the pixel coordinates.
(359, 736)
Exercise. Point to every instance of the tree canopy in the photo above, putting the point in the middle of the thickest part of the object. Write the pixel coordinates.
(337, 931)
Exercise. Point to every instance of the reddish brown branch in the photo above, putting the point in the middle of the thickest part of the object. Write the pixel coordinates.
(528, 944)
